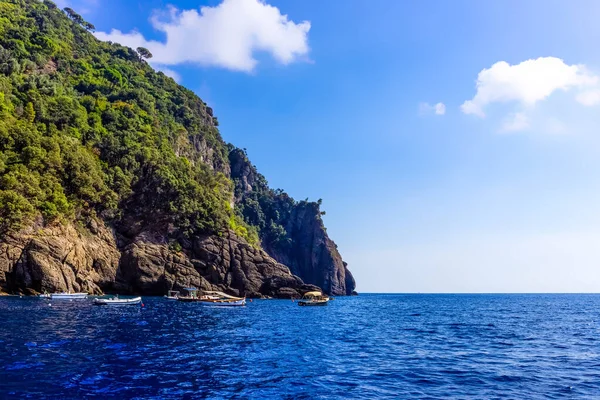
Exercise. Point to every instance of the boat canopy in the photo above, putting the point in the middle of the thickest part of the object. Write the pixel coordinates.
(217, 293)
(313, 294)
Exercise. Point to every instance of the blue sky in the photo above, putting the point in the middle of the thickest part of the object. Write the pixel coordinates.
(496, 192)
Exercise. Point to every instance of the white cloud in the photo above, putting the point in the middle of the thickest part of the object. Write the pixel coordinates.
(589, 97)
(437, 109)
(526, 83)
(535, 94)
(228, 35)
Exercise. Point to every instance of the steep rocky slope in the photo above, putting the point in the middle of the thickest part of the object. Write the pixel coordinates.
(115, 178)
(78, 258)
(291, 232)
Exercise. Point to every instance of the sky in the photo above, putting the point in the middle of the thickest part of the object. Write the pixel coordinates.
(455, 144)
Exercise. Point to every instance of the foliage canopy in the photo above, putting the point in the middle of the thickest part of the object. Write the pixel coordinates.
(88, 127)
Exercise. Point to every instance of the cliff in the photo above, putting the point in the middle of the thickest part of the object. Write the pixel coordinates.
(113, 178)
(95, 259)
(291, 232)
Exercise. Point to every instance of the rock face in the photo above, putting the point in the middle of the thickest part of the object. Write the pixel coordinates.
(308, 250)
(226, 263)
(59, 258)
(201, 151)
(243, 174)
(88, 259)
(312, 255)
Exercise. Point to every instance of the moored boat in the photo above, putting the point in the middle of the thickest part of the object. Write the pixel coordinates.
(68, 296)
(172, 295)
(313, 299)
(212, 298)
(44, 295)
(220, 299)
(190, 296)
(115, 301)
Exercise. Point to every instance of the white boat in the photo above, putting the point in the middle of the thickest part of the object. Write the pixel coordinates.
(115, 301)
(212, 298)
(68, 296)
(313, 299)
(220, 299)
(172, 295)
(223, 302)
(190, 296)
(44, 295)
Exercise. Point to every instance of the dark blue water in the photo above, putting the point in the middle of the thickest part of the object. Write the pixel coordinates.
(371, 346)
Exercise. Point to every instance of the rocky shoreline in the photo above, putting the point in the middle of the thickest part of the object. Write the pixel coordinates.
(94, 259)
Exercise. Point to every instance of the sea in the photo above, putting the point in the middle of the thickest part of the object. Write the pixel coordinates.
(371, 346)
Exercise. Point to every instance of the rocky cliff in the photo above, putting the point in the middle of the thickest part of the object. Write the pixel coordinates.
(63, 258)
(312, 254)
(291, 232)
(95, 259)
(114, 178)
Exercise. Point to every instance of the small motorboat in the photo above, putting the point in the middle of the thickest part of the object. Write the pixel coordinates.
(68, 296)
(212, 298)
(220, 299)
(172, 295)
(44, 295)
(191, 295)
(116, 301)
(313, 299)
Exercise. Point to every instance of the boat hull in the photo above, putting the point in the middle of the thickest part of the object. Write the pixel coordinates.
(68, 296)
(117, 302)
(315, 303)
(188, 299)
(223, 303)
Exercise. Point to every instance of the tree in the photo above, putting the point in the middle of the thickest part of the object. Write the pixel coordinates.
(144, 52)
(90, 131)
(15, 210)
(74, 16)
(89, 26)
(49, 4)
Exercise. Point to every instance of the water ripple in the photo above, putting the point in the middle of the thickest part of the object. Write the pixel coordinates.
(366, 347)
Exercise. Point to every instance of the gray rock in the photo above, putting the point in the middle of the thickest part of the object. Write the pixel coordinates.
(63, 258)
(58, 258)
(311, 254)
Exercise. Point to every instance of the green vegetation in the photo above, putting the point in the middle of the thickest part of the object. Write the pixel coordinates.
(144, 52)
(89, 128)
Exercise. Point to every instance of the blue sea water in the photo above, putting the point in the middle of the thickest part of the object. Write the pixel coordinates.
(370, 347)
